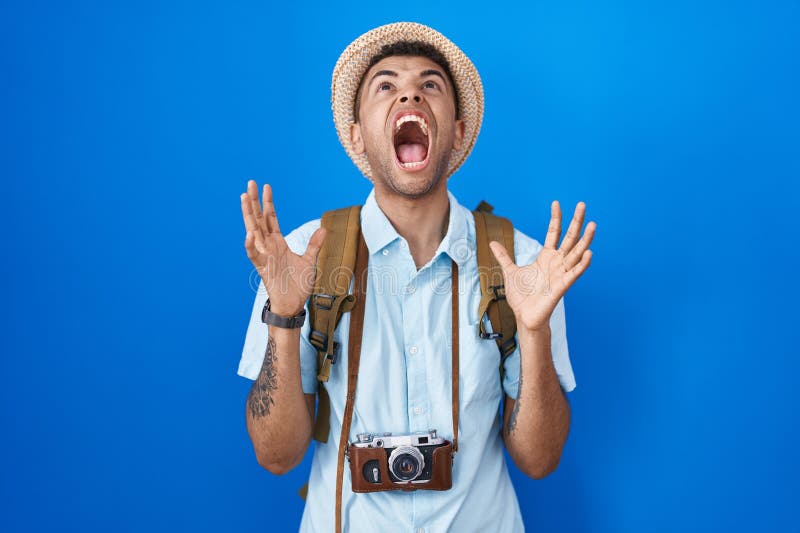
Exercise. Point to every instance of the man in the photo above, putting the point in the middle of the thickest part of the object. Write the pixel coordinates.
(414, 230)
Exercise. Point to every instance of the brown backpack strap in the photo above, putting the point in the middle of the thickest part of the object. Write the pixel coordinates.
(489, 228)
(353, 358)
(331, 299)
(322, 424)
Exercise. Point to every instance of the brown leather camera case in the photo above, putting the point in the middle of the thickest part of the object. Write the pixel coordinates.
(441, 473)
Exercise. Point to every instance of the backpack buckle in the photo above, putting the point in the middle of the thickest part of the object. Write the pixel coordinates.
(334, 357)
(499, 291)
(491, 335)
(320, 341)
(508, 347)
(325, 305)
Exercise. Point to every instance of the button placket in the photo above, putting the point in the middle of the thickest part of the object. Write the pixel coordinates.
(416, 371)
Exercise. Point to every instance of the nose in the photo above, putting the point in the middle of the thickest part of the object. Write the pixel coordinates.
(411, 93)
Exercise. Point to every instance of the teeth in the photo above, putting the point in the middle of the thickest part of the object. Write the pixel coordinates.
(412, 165)
(416, 118)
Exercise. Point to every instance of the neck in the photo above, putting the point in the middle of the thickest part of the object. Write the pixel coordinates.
(422, 222)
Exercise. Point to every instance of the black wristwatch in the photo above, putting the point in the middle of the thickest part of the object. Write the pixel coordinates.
(288, 322)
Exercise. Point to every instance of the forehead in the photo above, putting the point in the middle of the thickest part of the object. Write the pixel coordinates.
(405, 66)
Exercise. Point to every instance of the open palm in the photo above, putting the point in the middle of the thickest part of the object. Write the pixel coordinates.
(287, 276)
(532, 291)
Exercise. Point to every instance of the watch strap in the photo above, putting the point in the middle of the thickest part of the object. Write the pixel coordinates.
(288, 322)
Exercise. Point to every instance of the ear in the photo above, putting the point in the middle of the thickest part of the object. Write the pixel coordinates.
(459, 134)
(356, 141)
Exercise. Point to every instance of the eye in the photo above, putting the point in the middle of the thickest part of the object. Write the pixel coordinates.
(430, 84)
(384, 86)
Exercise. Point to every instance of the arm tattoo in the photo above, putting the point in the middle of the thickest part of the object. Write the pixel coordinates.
(512, 419)
(260, 399)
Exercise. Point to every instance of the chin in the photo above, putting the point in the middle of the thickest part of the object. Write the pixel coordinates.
(416, 184)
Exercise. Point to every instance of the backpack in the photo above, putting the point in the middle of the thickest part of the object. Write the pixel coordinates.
(331, 299)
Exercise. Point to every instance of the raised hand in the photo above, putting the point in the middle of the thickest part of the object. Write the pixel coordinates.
(533, 291)
(288, 277)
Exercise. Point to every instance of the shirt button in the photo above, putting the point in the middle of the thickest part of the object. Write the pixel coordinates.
(385, 252)
(421, 530)
(418, 411)
(410, 289)
(413, 350)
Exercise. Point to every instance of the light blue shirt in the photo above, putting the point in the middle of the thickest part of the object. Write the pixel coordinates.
(404, 382)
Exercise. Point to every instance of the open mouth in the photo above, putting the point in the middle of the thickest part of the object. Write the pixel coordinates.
(411, 141)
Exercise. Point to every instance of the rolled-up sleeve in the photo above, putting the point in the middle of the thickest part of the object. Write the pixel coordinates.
(525, 251)
(257, 335)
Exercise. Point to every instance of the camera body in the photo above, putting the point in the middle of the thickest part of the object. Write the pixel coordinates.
(380, 462)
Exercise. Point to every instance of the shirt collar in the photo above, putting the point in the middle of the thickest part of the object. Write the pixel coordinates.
(379, 232)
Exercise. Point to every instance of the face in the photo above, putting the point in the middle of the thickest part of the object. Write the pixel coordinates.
(407, 125)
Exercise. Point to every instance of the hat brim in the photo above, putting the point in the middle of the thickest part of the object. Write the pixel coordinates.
(353, 64)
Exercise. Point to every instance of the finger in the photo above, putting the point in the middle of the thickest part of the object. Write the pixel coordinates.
(554, 229)
(501, 254)
(249, 223)
(250, 247)
(574, 230)
(315, 244)
(576, 271)
(247, 214)
(255, 206)
(270, 217)
(260, 242)
(576, 253)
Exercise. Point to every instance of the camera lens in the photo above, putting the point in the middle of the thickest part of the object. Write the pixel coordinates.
(407, 466)
(406, 463)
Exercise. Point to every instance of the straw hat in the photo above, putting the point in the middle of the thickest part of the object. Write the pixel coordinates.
(353, 63)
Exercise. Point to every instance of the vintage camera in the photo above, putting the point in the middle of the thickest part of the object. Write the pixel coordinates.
(401, 462)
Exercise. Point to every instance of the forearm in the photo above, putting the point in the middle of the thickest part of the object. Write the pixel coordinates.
(278, 417)
(537, 425)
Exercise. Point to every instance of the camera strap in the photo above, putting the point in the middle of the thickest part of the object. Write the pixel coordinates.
(354, 357)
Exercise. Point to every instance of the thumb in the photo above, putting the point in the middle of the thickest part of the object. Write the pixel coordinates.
(501, 254)
(315, 244)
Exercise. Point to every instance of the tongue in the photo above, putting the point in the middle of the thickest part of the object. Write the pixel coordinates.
(411, 153)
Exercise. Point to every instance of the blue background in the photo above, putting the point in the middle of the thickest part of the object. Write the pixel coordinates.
(129, 131)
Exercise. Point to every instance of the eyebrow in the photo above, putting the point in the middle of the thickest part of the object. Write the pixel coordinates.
(383, 73)
(429, 72)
